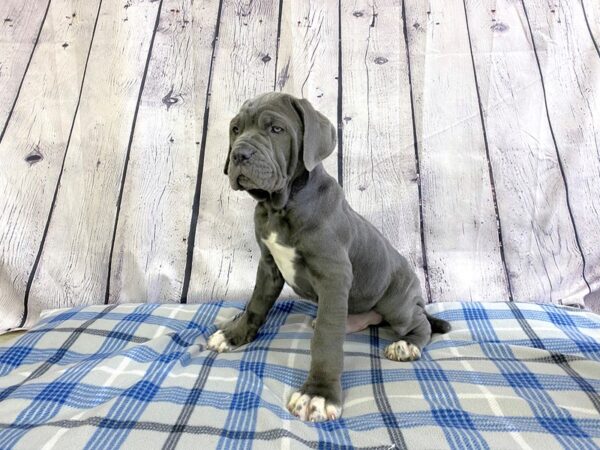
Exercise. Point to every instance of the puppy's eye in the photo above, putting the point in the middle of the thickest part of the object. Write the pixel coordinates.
(275, 129)
(235, 130)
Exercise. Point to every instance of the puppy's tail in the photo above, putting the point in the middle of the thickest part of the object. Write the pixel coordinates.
(438, 325)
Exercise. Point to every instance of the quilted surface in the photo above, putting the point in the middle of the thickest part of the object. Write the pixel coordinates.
(509, 375)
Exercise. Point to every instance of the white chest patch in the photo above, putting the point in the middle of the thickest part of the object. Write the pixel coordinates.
(284, 258)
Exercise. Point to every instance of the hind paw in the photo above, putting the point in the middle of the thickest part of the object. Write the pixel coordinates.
(402, 351)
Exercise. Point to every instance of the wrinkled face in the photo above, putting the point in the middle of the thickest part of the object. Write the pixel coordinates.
(264, 140)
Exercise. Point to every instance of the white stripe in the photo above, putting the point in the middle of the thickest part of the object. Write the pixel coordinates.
(173, 313)
(491, 399)
(54, 439)
(183, 309)
(118, 371)
(183, 375)
(213, 378)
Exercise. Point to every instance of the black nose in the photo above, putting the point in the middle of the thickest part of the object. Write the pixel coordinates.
(241, 155)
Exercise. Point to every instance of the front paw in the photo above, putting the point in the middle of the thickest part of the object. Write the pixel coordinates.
(232, 334)
(314, 408)
(218, 342)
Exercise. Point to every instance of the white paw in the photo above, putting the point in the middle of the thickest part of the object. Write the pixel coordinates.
(315, 409)
(218, 342)
(402, 351)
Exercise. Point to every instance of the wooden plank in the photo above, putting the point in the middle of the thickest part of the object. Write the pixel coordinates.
(380, 171)
(307, 63)
(20, 24)
(459, 220)
(33, 147)
(570, 69)
(591, 15)
(73, 267)
(149, 254)
(542, 254)
(225, 252)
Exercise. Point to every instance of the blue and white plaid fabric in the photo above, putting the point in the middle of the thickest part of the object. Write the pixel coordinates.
(508, 376)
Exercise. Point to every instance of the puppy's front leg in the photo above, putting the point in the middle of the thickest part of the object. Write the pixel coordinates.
(243, 329)
(320, 398)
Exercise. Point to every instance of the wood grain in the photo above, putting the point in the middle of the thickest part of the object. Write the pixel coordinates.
(380, 171)
(225, 253)
(591, 11)
(460, 225)
(149, 254)
(570, 68)
(33, 147)
(307, 64)
(542, 255)
(73, 267)
(20, 24)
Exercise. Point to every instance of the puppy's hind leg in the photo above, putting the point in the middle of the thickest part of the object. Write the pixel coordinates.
(409, 347)
(409, 320)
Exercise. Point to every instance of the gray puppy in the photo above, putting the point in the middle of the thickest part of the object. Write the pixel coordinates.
(312, 239)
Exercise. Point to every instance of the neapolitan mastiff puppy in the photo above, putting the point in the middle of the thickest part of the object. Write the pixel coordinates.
(311, 238)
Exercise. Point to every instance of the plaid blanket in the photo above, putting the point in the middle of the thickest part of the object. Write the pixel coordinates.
(508, 375)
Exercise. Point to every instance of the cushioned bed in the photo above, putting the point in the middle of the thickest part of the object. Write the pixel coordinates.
(509, 375)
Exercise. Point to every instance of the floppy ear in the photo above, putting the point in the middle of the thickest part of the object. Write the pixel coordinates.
(226, 169)
(319, 134)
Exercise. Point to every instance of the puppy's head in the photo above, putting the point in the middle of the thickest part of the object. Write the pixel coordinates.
(272, 140)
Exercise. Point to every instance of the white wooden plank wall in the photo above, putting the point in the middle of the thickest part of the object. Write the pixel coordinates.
(591, 15)
(468, 134)
(33, 148)
(459, 219)
(20, 24)
(150, 250)
(73, 268)
(542, 255)
(570, 69)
